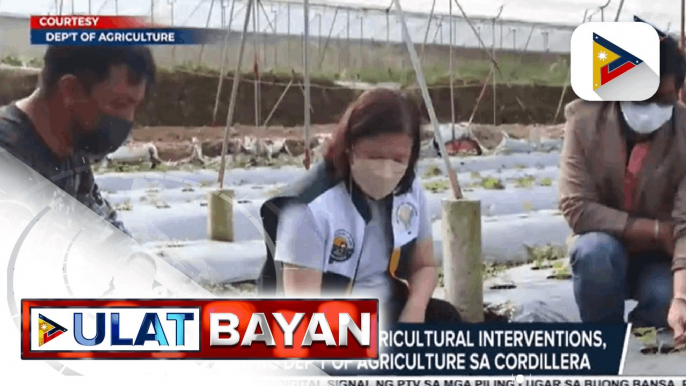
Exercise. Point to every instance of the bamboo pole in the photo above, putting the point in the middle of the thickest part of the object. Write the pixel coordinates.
(478, 36)
(234, 92)
(452, 76)
(452, 176)
(461, 219)
(562, 96)
(278, 102)
(495, 75)
(306, 75)
(221, 68)
(682, 95)
(328, 38)
(256, 69)
(207, 25)
(619, 10)
(288, 33)
(426, 34)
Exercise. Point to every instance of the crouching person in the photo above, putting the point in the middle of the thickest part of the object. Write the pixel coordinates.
(623, 192)
(357, 224)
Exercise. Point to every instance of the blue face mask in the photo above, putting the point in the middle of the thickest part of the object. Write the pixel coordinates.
(106, 137)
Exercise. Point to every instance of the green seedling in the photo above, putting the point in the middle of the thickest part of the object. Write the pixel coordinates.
(542, 256)
(432, 171)
(525, 182)
(646, 335)
(492, 183)
(561, 274)
(12, 61)
(545, 182)
(436, 186)
(492, 270)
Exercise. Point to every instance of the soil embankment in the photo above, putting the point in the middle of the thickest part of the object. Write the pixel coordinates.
(187, 100)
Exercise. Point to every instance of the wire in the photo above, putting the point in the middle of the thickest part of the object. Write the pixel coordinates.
(194, 11)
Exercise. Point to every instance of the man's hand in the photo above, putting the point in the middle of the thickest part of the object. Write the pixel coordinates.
(677, 320)
(412, 314)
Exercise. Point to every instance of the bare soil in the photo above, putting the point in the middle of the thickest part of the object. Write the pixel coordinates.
(174, 143)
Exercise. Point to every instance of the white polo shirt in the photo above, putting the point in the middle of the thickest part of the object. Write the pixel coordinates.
(302, 242)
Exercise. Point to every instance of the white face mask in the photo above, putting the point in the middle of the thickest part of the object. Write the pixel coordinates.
(645, 118)
(377, 177)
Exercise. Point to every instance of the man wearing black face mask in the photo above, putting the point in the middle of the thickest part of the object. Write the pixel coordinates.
(623, 192)
(82, 110)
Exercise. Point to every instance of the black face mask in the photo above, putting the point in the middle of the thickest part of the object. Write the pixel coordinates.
(107, 136)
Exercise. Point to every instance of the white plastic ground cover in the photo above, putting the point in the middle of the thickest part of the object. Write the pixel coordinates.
(114, 182)
(503, 241)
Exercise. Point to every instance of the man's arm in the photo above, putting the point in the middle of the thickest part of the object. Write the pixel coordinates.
(679, 258)
(677, 312)
(89, 195)
(579, 200)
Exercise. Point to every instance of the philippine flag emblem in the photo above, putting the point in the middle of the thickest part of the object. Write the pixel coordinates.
(48, 330)
(610, 61)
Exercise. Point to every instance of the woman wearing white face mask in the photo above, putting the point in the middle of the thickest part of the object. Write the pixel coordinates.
(357, 224)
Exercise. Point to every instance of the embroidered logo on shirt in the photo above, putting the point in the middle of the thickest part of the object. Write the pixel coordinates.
(405, 213)
(343, 246)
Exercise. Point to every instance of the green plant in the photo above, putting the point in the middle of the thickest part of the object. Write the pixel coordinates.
(541, 264)
(525, 182)
(432, 171)
(546, 252)
(542, 256)
(492, 270)
(562, 273)
(492, 183)
(646, 335)
(475, 175)
(437, 186)
(11, 60)
(35, 63)
(545, 182)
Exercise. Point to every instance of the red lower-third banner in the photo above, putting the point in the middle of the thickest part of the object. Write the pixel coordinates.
(199, 329)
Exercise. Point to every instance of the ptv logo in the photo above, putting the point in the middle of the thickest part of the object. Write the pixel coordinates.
(48, 330)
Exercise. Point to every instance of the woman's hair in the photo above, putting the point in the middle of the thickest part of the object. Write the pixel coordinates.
(672, 61)
(376, 112)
